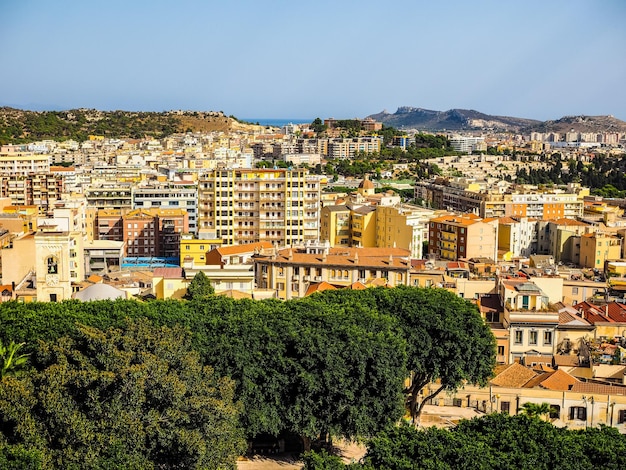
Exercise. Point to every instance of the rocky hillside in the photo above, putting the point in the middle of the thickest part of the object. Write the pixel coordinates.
(582, 124)
(18, 126)
(451, 120)
(469, 120)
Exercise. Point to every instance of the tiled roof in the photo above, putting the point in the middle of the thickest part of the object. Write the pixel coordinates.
(569, 222)
(168, 273)
(569, 360)
(319, 287)
(558, 380)
(586, 387)
(516, 375)
(246, 248)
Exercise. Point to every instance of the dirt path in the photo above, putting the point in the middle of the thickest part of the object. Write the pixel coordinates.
(349, 451)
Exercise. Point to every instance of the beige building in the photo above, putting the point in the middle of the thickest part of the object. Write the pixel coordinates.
(24, 164)
(292, 272)
(255, 205)
(596, 248)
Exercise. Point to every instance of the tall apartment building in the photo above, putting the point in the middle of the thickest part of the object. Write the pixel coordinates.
(257, 205)
(168, 196)
(37, 189)
(146, 232)
(463, 236)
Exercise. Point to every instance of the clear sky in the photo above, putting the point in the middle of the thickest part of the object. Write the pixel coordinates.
(539, 59)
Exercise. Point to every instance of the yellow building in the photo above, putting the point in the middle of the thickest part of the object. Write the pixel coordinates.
(364, 226)
(195, 249)
(596, 248)
(169, 283)
(335, 225)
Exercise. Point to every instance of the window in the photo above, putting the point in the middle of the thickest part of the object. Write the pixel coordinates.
(500, 350)
(53, 297)
(505, 407)
(519, 336)
(621, 417)
(574, 290)
(555, 411)
(578, 412)
(547, 337)
(532, 339)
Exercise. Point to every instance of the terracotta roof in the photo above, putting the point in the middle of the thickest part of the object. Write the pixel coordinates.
(586, 387)
(319, 287)
(168, 273)
(558, 380)
(234, 294)
(617, 311)
(568, 360)
(246, 248)
(569, 222)
(358, 286)
(515, 375)
(95, 278)
(386, 258)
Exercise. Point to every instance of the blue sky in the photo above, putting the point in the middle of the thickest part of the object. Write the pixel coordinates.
(293, 59)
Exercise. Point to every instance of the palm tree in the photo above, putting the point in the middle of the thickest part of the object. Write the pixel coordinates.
(10, 362)
(536, 410)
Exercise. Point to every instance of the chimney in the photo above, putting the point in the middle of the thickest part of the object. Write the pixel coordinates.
(290, 254)
(356, 257)
(390, 260)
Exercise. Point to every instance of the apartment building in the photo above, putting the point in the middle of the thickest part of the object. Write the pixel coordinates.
(168, 196)
(280, 206)
(292, 272)
(145, 233)
(463, 236)
(517, 201)
(36, 189)
(517, 236)
(24, 164)
(109, 196)
(341, 148)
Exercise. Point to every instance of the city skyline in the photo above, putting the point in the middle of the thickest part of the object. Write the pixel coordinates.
(298, 61)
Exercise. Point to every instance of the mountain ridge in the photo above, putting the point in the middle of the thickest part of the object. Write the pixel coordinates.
(472, 120)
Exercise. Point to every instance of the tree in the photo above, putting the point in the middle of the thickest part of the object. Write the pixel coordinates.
(448, 343)
(134, 398)
(199, 287)
(497, 441)
(10, 361)
(535, 410)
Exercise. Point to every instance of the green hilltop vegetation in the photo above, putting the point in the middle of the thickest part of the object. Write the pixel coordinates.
(18, 126)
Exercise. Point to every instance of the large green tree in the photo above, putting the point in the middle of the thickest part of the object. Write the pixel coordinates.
(448, 343)
(133, 397)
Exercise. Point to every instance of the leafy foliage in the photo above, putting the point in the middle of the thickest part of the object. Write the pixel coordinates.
(131, 398)
(496, 441)
(199, 287)
(10, 361)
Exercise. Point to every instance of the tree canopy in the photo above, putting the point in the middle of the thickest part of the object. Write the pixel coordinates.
(132, 398)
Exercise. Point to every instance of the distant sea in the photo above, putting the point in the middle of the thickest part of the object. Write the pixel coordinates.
(276, 122)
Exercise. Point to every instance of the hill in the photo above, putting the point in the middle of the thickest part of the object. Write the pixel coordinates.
(470, 120)
(19, 126)
(451, 120)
